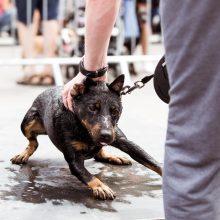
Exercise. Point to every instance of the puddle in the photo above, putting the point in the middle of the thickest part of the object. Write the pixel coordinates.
(50, 181)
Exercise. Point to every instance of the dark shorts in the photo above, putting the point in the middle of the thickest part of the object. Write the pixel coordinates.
(142, 1)
(31, 5)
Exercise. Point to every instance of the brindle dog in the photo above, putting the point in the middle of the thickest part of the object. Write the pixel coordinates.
(81, 135)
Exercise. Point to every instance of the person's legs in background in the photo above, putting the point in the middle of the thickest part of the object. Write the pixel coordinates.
(7, 14)
(191, 176)
(50, 33)
(30, 13)
(27, 29)
(143, 24)
(155, 17)
(6, 21)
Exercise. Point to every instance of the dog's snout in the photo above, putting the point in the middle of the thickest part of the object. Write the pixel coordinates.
(106, 136)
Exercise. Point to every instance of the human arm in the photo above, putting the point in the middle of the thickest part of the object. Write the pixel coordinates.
(99, 21)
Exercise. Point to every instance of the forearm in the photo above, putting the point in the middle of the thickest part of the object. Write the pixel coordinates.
(100, 19)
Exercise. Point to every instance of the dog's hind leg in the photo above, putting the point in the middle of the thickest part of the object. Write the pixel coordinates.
(31, 127)
(103, 156)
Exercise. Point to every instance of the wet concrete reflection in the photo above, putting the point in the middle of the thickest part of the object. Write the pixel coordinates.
(50, 181)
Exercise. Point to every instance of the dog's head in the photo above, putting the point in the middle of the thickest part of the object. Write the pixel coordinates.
(98, 107)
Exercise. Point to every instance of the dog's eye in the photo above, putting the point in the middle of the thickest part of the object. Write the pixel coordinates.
(92, 108)
(114, 112)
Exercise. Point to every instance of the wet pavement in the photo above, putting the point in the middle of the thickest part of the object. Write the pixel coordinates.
(44, 187)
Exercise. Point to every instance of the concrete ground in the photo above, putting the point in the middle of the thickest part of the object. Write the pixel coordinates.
(44, 187)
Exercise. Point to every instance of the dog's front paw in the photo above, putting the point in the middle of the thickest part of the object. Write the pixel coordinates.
(118, 160)
(105, 157)
(20, 159)
(100, 190)
(103, 192)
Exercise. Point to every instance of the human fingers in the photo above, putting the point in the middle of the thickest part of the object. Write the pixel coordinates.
(69, 100)
(64, 97)
(65, 93)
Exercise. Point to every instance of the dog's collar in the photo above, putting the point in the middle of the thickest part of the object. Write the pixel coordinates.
(92, 74)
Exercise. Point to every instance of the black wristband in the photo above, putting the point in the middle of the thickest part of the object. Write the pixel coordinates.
(92, 74)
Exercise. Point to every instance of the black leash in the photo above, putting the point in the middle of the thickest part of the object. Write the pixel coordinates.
(160, 81)
(137, 85)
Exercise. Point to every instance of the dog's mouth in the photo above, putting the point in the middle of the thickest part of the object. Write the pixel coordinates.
(103, 144)
(104, 137)
(104, 141)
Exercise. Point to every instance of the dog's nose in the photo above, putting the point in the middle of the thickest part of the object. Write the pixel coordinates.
(106, 136)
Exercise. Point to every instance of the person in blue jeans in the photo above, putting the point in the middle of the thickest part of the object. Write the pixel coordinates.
(191, 176)
(7, 14)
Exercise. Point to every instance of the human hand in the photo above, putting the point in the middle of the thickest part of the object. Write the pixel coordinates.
(78, 79)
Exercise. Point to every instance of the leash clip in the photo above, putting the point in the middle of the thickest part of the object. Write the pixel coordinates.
(125, 90)
(139, 84)
(129, 89)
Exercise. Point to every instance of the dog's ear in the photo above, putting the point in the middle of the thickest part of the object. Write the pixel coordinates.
(78, 89)
(117, 84)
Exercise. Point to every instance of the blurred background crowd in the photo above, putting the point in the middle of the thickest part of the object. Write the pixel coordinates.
(55, 28)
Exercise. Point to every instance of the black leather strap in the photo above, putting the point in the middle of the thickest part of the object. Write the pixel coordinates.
(92, 74)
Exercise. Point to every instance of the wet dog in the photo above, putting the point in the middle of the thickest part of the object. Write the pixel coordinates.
(81, 135)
